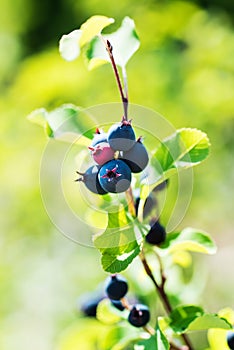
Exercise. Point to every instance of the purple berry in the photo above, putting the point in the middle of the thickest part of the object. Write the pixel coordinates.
(116, 287)
(90, 179)
(137, 157)
(121, 136)
(115, 176)
(139, 316)
(156, 235)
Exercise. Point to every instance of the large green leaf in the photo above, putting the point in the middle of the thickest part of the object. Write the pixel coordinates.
(66, 123)
(70, 44)
(185, 148)
(124, 41)
(193, 318)
(189, 239)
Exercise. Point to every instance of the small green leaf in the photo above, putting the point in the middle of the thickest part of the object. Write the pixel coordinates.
(162, 343)
(208, 321)
(184, 149)
(189, 239)
(125, 43)
(182, 316)
(115, 263)
(108, 314)
(92, 27)
(69, 45)
(193, 318)
(66, 123)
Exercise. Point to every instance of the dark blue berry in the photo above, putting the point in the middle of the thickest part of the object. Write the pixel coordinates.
(88, 306)
(230, 339)
(115, 176)
(90, 179)
(139, 316)
(150, 204)
(157, 234)
(137, 157)
(121, 136)
(118, 305)
(116, 287)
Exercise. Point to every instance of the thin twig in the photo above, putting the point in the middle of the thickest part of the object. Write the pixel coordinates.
(161, 291)
(124, 98)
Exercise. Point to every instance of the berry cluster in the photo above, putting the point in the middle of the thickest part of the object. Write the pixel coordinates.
(116, 287)
(117, 155)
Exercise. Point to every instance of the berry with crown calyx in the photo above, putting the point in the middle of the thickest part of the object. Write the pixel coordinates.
(137, 157)
(121, 136)
(102, 153)
(90, 179)
(115, 176)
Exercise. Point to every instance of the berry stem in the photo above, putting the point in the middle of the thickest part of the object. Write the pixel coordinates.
(161, 291)
(124, 98)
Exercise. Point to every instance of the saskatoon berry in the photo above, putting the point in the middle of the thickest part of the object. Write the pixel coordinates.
(115, 176)
(121, 136)
(99, 137)
(90, 179)
(116, 287)
(137, 157)
(89, 306)
(150, 204)
(157, 234)
(102, 153)
(230, 340)
(117, 304)
(139, 316)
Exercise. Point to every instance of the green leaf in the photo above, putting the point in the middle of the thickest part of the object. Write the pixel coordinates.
(121, 242)
(208, 321)
(162, 343)
(69, 47)
(185, 148)
(182, 316)
(193, 318)
(92, 27)
(108, 314)
(66, 123)
(70, 44)
(115, 263)
(125, 43)
(189, 239)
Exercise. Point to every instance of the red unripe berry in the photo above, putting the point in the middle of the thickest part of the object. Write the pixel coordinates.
(102, 153)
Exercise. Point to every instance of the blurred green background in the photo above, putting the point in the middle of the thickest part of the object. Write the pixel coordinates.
(184, 70)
